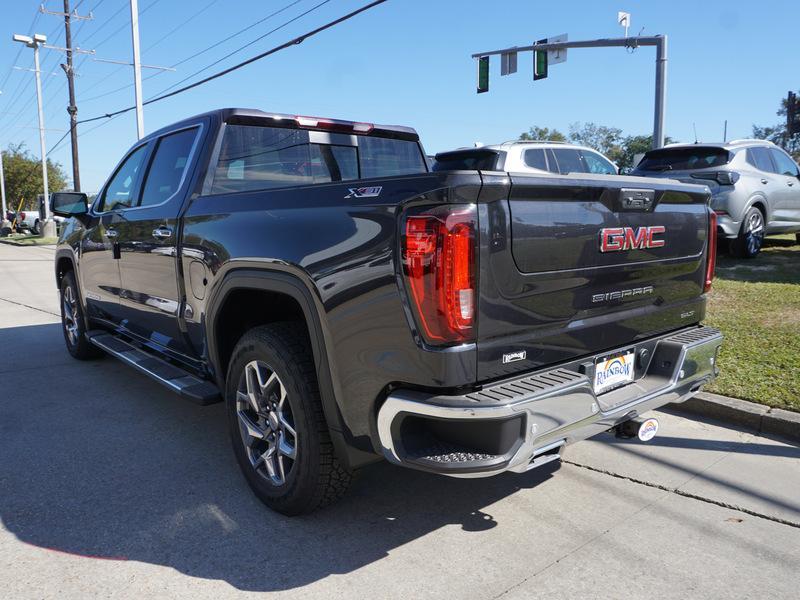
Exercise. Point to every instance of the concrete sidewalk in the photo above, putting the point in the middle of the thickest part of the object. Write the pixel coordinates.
(112, 486)
(27, 277)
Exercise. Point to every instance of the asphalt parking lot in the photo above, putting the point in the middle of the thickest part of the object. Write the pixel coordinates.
(112, 486)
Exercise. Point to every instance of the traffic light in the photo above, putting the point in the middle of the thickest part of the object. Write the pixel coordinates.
(483, 74)
(540, 62)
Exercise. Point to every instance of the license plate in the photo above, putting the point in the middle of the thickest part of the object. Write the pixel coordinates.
(613, 371)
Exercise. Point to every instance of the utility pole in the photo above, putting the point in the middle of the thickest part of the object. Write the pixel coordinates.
(72, 109)
(137, 68)
(660, 43)
(34, 42)
(2, 188)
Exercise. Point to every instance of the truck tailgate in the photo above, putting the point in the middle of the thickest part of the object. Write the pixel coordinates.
(575, 265)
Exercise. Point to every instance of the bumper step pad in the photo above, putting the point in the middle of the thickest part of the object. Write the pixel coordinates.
(441, 452)
(178, 380)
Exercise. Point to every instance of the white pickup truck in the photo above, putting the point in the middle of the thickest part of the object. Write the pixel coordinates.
(28, 220)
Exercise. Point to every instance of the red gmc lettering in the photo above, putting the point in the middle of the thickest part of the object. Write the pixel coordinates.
(616, 239)
(651, 232)
(611, 239)
(640, 240)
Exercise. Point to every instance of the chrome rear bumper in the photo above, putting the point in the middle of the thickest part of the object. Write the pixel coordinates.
(520, 423)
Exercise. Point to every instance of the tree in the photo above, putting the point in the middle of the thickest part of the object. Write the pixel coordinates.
(23, 177)
(778, 134)
(543, 134)
(631, 146)
(606, 140)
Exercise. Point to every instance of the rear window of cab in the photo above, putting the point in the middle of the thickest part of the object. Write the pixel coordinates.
(257, 158)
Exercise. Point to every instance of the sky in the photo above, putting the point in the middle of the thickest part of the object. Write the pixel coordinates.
(405, 62)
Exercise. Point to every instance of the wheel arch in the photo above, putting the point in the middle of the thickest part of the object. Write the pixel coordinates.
(64, 262)
(760, 202)
(292, 289)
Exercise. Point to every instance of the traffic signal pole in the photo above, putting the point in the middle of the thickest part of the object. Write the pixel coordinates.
(660, 43)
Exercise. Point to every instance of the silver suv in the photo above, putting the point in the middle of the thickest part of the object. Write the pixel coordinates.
(522, 156)
(755, 187)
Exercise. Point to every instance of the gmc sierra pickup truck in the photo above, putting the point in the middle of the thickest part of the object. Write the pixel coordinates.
(348, 304)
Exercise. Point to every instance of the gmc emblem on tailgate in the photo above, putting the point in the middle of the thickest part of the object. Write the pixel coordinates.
(617, 239)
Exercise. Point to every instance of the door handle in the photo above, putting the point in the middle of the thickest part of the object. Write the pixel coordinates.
(112, 233)
(790, 183)
(764, 181)
(162, 233)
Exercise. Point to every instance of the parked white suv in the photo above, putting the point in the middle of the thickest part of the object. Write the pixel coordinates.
(520, 156)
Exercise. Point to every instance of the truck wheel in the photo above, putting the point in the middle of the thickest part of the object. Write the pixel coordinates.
(277, 427)
(751, 235)
(35, 230)
(72, 322)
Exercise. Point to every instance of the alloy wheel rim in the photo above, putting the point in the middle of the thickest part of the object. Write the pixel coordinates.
(70, 307)
(755, 232)
(266, 422)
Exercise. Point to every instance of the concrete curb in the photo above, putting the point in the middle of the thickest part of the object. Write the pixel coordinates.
(755, 417)
(14, 242)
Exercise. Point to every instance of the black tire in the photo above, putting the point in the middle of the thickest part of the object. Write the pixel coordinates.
(314, 477)
(35, 230)
(751, 235)
(73, 325)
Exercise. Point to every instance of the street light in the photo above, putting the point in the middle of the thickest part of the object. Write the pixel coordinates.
(35, 42)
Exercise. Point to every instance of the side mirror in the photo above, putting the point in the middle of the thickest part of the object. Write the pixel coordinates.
(69, 204)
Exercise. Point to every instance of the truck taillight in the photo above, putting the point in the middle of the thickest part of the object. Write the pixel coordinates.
(711, 264)
(438, 255)
(22, 216)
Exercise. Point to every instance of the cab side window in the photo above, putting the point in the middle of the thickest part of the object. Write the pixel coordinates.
(119, 192)
(165, 174)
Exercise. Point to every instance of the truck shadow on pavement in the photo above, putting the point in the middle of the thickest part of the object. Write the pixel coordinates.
(100, 462)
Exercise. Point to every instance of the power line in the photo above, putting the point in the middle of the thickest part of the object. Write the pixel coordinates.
(19, 52)
(58, 31)
(194, 55)
(261, 37)
(107, 22)
(151, 46)
(44, 67)
(124, 25)
(293, 42)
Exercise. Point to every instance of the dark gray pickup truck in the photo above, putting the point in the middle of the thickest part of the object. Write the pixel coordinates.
(347, 304)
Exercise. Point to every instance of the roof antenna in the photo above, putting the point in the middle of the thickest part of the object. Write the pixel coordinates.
(694, 126)
(725, 132)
